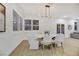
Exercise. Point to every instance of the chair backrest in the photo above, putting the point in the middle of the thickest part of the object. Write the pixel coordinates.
(47, 38)
(59, 37)
(53, 38)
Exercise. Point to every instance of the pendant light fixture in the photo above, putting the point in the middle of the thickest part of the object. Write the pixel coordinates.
(47, 10)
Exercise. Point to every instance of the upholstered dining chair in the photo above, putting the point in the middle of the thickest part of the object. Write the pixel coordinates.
(59, 40)
(46, 41)
(53, 38)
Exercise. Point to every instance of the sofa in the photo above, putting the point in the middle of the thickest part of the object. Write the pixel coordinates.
(75, 35)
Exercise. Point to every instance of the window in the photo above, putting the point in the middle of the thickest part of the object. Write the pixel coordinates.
(75, 26)
(35, 24)
(27, 24)
(31, 24)
(21, 22)
(17, 21)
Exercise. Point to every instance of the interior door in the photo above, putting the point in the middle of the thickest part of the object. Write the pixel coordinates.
(60, 29)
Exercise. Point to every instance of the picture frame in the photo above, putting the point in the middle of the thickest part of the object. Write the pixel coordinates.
(2, 18)
(69, 27)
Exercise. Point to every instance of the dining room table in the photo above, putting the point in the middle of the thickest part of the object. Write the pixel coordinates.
(48, 42)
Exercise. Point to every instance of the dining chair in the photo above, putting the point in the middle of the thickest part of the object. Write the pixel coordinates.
(53, 38)
(46, 41)
(59, 40)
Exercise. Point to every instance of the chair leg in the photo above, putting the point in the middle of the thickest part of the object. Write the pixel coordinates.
(55, 44)
(61, 44)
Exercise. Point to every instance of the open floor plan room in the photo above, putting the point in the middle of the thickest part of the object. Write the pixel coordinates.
(39, 29)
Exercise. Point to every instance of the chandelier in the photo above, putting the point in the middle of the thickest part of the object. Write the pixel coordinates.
(47, 11)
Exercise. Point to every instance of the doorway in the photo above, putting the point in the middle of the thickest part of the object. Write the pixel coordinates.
(60, 29)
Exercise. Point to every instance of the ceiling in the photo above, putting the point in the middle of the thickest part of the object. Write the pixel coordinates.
(57, 9)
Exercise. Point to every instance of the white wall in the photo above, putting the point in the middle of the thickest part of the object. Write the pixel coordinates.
(9, 39)
(67, 22)
(58, 11)
(50, 25)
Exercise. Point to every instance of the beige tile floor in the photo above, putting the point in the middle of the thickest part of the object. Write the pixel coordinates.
(70, 48)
